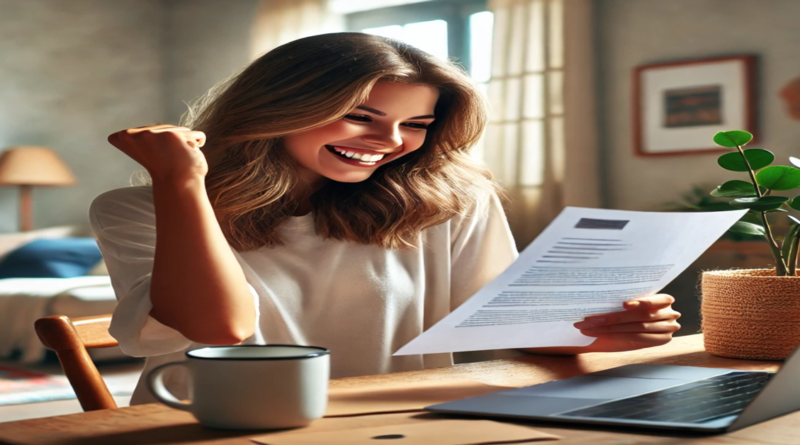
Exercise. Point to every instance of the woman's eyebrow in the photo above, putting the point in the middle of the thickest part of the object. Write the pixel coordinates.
(381, 113)
(371, 110)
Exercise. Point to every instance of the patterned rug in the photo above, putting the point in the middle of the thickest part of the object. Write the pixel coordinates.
(22, 386)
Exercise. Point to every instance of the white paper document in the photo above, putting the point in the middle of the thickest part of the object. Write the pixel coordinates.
(586, 262)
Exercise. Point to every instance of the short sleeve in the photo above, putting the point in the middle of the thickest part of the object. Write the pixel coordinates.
(482, 248)
(124, 224)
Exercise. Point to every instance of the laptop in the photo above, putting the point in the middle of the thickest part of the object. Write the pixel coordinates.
(664, 397)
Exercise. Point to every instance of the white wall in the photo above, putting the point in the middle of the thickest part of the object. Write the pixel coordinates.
(637, 32)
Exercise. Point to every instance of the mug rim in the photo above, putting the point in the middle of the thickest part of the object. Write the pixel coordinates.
(319, 352)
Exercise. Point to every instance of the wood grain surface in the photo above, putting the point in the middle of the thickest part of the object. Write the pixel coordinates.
(158, 424)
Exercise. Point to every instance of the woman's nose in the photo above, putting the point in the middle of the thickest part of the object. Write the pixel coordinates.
(388, 136)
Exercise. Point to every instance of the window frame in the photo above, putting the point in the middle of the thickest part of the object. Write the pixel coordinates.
(455, 12)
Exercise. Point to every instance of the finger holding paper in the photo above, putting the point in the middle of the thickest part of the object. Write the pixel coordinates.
(646, 322)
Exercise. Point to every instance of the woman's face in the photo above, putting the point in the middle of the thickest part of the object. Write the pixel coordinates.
(390, 124)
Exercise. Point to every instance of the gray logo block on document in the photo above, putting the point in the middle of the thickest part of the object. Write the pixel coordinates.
(609, 224)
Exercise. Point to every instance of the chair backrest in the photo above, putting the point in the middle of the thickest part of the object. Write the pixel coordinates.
(70, 340)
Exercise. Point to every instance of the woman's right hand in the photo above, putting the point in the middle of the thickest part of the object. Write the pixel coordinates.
(169, 153)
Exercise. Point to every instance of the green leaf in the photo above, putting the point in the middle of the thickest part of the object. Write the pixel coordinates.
(794, 203)
(747, 228)
(779, 177)
(734, 189)
(757, 157)
(732, 138)
(794, 161)
(796, 221)
(760, 204)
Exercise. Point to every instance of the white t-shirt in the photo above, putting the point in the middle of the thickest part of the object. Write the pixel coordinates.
(362, 302)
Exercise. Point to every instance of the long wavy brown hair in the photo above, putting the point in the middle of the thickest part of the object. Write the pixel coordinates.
(312, 82)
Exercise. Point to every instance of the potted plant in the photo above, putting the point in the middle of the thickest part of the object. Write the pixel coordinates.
(755, 313)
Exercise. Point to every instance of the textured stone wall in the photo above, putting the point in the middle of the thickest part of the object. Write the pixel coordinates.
(74, 71)
(206, 41)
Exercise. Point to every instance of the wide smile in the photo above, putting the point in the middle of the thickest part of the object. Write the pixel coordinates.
(353, 157)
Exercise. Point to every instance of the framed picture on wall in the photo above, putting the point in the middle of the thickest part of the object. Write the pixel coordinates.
(679, 106)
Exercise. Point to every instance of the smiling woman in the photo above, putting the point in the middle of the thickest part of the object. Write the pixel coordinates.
(391, 124)
(325, 195)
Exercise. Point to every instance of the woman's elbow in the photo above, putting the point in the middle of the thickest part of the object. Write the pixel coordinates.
(214, 331)
(221, 335)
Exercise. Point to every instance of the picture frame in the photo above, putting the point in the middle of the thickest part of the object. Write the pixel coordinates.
(679, 106)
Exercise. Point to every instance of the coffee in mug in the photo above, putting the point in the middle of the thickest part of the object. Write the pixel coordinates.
(251, 386)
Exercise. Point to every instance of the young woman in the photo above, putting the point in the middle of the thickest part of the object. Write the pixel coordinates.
(325, 196)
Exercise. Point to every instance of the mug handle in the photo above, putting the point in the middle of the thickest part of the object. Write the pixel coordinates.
(155, 382)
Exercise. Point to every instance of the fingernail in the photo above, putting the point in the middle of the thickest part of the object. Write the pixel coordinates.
(634, 303)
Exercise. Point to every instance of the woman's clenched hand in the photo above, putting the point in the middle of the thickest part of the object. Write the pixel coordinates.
(167, 152)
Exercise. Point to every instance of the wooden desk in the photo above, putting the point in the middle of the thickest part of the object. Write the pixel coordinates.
(158, 424)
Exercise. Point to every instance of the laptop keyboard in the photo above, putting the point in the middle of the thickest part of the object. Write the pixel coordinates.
(694, 402)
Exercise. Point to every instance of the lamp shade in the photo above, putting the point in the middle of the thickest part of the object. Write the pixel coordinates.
(31, 165)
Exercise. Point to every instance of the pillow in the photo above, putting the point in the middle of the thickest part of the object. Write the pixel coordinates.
(51, 258)
(11, 241)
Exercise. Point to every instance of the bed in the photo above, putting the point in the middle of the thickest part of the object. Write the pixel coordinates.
(25, 299)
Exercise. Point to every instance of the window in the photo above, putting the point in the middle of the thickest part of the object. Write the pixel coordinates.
(459, 30)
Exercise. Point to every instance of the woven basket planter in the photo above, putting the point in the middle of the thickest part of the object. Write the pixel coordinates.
(750, 314)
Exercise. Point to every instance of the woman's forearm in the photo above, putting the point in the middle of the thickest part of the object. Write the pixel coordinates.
(197, 286)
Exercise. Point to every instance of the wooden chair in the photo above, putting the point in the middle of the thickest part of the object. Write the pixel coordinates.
(70, 340)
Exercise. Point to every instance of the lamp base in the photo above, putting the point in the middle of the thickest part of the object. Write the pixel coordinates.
(25, 208)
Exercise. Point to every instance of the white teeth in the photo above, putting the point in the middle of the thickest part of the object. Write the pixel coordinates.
(362, 157)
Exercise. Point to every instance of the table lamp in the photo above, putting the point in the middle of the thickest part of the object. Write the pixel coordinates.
(27, 166)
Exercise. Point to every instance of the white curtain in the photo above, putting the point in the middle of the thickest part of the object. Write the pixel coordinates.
(281, 21)
(541, 140)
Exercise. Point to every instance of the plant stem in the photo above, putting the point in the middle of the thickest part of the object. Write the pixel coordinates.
(780, 263)
(792, 257)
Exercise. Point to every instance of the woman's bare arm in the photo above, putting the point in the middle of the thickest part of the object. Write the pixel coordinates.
(197, 286)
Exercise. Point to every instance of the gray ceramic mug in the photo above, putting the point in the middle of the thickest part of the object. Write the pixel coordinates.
(251, 386)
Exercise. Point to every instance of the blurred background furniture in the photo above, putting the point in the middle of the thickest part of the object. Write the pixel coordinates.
(24, 299)
(70, 339)
(27, 166)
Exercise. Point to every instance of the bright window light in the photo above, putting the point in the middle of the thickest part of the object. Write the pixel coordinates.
(393, 32)
(480, 44)
(430, 36)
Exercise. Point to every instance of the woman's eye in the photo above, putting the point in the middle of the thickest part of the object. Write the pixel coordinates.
(357, 117)
(416, 125)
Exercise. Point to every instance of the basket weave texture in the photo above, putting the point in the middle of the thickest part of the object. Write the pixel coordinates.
(750, 314)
